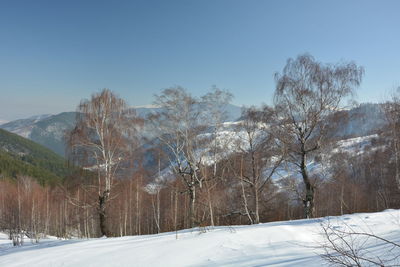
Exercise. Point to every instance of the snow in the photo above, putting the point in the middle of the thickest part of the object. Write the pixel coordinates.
(352, 146)
(40, 117)
(24, 131)
(56, 129)
(24, 127)
(287, 243)
(356, 145)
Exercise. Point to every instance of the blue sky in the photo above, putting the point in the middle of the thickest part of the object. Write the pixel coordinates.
(54, 53)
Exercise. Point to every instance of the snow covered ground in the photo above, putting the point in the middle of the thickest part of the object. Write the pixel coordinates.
(288, 243)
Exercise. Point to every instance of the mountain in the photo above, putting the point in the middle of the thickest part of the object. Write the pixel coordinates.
(24, 126)
(365, 119)
(48, 130)
(21, 156)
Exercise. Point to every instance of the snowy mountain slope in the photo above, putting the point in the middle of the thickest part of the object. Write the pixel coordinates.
(23, 127)
(287, 243)
(354, 146)
(48, 130)
(365, 119)
(18, 125)
(230, 141)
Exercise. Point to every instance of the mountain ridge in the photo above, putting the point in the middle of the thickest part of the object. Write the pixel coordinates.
(48, 130)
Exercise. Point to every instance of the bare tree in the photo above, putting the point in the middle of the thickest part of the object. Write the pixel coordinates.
(182, 122)
(215, 106)
(259, 154)
(179, 122)
(307, 94)
(348, 247)
(104, 127)
(392, 115)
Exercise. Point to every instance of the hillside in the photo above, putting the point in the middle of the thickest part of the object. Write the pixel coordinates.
(47, 130)
(287, 243)
(365, 119)
(20, 156)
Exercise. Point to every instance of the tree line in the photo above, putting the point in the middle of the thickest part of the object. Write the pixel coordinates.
(185, 166)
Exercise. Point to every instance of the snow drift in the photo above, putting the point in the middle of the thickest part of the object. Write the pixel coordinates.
(287, 243)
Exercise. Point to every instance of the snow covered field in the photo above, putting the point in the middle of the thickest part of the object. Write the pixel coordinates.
(289, 243)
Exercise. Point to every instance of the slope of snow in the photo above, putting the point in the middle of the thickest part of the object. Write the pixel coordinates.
(356, 145)
(23, 127)
(289, 243)
(36, 118)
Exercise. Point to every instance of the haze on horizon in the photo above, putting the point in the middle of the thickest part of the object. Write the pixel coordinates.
(53, 54)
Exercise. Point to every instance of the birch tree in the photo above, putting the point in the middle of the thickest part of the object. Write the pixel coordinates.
(259, 155)
(307, 94)
(215, 104)
(179, 123)
(104, 127)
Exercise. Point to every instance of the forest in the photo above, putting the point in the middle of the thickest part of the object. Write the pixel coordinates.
(186, 166)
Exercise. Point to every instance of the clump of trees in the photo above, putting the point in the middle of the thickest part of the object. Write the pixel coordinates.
(185, 166)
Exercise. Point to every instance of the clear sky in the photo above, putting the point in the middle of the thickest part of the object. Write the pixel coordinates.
(54, 53)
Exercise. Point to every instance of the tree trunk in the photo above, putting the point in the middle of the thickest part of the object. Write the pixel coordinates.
(256, 205)
(138, 202)
(341, 199)
(308, 201)
(397, 161)
(255, 184)
(246, 207)
(192, 195)
(102, 213)
(210, 207)
(209, 199)
(176, 214)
